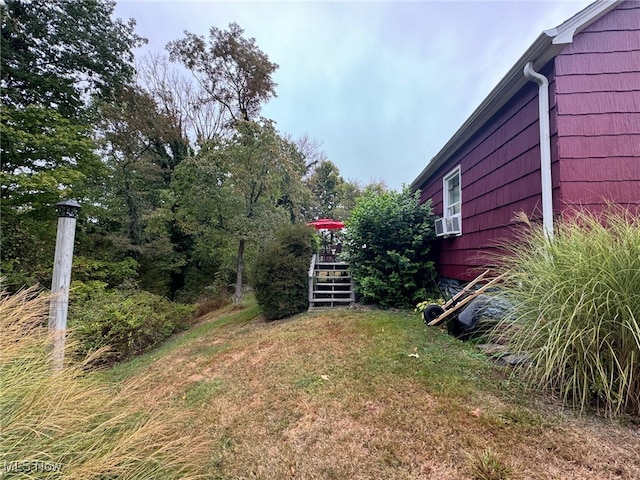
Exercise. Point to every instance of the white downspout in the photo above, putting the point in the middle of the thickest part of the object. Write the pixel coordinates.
(545, 146)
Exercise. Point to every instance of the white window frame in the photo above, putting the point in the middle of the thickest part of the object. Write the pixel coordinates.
(451, 222)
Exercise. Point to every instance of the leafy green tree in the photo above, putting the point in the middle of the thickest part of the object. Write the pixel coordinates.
(350, 192)
(57, 54)
(387, 243)
(142, 147)
(234, 72)
(331, 195)
(232, 190)
(56, 57)
(325, 183)
(135, 138)
(45, 158)
(228, 79)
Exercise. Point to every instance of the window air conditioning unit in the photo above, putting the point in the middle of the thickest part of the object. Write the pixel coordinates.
(448, 226)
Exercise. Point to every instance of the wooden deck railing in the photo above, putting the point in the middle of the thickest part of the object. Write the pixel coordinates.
(312, 269)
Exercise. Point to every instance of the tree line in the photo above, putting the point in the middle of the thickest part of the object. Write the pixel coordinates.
(180, 178)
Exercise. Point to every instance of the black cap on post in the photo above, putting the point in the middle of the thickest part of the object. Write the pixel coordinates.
(68, 209)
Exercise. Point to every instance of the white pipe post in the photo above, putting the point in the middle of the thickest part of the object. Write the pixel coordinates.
(545, 146)
(59, 305)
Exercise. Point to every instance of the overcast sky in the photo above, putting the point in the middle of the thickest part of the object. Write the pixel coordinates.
(382, 85)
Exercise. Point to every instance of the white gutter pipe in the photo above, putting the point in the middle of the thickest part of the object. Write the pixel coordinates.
(545, 146)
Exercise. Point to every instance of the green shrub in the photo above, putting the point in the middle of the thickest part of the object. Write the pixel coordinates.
(129, 322)
(69, 424)
(387, 243)
(577, 309)
(280, 273)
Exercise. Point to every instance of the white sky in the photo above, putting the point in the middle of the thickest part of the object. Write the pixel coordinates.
(382, 85)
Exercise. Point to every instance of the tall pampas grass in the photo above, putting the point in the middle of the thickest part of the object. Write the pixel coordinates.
(576, 304)
(69, 424)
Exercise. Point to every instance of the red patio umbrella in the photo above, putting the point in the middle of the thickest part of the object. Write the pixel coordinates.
(326, 224)
(328, 252)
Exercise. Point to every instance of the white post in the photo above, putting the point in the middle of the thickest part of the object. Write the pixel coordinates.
(58, 307)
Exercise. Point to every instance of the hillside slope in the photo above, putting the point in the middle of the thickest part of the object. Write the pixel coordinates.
(356, 394)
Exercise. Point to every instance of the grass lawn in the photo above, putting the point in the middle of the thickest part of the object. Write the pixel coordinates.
(357, 394)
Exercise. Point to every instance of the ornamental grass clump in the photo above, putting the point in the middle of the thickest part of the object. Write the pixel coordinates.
(69, 424)
(576, 304)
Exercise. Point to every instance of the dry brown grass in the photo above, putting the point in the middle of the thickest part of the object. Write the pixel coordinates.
(76, 425)
(342, 395)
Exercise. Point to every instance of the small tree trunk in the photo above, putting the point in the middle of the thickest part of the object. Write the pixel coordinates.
(237, 296)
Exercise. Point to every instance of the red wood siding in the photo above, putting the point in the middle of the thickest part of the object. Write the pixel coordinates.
(598, 112)
(500, 169)
(595, 145)
(605, 82)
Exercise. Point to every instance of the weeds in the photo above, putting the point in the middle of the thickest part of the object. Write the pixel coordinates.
(488, 466)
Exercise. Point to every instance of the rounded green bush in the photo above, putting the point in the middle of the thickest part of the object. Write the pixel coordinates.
(280, 273)
(128, 322)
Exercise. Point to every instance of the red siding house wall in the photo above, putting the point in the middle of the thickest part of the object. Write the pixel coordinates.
(594, 115)
(597, 89)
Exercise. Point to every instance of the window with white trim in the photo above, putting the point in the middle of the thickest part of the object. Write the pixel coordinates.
(451, 221)
(452, 193)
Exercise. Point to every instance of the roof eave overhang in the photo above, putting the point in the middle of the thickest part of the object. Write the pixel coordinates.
(545, 48)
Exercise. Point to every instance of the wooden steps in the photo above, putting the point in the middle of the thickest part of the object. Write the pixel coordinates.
(330, 285)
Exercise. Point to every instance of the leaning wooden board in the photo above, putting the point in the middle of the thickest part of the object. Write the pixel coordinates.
(464, 290)
(451, 309)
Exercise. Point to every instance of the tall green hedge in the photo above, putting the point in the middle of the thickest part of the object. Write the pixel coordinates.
(387, 243)
(280, 272)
